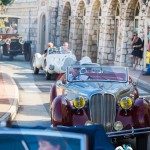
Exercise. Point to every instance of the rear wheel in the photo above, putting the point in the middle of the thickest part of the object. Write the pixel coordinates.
(27, 51)
(1, 53)
(35, 69)
(11, 57)
(142, 142)
(47, 76)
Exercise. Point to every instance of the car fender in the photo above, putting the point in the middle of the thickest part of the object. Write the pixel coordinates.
(38, 60)
(61, 112)
(53, 93)
(59, 62)
(141, 113)
(126, 117)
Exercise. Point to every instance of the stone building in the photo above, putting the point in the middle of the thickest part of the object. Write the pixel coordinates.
(100, 29)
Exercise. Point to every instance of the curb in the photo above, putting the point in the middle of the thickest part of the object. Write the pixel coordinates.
(141, 83)
(10, 115)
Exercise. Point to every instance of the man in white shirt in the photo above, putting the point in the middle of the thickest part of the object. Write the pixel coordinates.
(65, 49)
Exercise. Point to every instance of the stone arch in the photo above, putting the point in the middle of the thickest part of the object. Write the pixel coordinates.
(79, 29)
(131, 12)
(111, 36)
(65, 23)
(94, 31)
(131, 25)
(42, 32)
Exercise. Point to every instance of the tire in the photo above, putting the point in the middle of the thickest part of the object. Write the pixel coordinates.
(47, 76)
(11, 57)
(35, 70)
(27, 54)
(142, 142)
(1, 53)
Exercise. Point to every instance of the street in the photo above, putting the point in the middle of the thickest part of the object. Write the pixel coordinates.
(33, 90)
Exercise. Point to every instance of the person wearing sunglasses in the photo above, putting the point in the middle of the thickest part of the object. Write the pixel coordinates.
(136, 54)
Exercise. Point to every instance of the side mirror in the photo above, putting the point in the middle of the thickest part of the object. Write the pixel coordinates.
(59, 83)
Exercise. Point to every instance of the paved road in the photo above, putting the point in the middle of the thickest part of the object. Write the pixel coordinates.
(34, 93)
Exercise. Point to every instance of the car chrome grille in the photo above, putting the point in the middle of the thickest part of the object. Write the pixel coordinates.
(103, 109)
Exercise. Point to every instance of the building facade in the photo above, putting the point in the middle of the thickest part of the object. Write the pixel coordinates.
(100, 29)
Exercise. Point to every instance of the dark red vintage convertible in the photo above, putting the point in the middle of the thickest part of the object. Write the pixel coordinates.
(105, 95)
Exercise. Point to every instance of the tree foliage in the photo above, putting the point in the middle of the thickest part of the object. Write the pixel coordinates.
(5, 2)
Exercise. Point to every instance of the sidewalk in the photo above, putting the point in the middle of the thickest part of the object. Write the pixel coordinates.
(9, 97)
(141, 80)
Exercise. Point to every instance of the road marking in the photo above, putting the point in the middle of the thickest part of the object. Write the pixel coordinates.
(141, 91)
(30, 87)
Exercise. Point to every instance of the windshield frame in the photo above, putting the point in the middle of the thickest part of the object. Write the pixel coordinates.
(126, 72)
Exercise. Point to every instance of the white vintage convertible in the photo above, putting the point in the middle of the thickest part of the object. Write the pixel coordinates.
(53, 63)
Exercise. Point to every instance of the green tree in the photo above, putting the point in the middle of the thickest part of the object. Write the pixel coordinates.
(5, 2)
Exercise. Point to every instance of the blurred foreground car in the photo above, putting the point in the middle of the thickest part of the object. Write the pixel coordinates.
(102, 95)
(60, 138)
(53, 63)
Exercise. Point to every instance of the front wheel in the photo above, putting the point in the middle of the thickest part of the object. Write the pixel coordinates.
(35, 70)
(47, 76)
(142, 142)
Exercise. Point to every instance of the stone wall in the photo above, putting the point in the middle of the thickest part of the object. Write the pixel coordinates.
(99, 29)
(27, 25)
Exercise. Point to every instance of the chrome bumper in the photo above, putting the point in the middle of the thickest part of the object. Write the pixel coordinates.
(128, 133)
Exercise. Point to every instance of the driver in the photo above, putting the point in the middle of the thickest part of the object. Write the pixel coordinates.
(74, 75)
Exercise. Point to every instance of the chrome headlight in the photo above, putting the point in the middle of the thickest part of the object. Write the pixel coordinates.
(118, 125)
(126, 103)
(79, 102)
(51, 67)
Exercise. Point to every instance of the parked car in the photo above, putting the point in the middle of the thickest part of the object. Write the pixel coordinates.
(52, 63)
(11, 43)
(103, 95)
(60, 138)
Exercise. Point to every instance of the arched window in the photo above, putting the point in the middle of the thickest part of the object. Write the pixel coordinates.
(99, 26)
(136, 17)
(117, 20)
(83, 25)
(69, 23)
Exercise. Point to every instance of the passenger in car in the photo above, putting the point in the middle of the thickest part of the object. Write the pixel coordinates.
(49, 50)
(64, 49)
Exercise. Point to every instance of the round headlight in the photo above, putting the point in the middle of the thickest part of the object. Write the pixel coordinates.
(118, 125)
(126, 102)
(88, 123)
(79, 102)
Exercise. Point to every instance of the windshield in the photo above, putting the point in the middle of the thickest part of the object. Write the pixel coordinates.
(97, 73)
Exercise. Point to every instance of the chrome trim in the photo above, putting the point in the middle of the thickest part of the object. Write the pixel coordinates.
(131, 132)
(103, 109)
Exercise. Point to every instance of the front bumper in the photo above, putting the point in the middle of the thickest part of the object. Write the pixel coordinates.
(129, 133)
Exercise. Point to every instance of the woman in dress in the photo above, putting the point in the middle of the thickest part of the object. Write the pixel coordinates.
(137, 51)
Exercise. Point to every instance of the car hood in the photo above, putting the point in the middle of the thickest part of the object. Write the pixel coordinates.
(90, 88)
